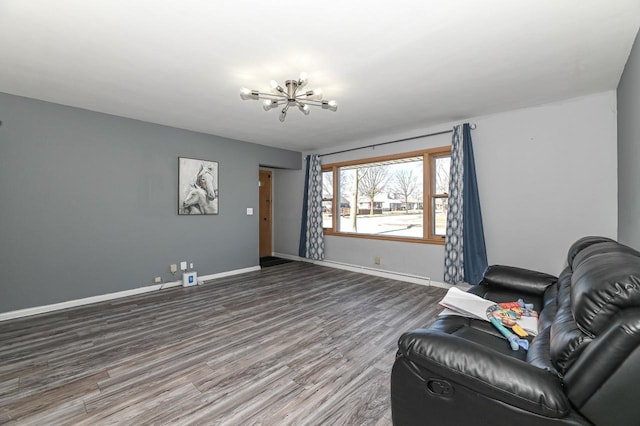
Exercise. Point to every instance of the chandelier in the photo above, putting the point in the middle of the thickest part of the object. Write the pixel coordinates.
(292, 96)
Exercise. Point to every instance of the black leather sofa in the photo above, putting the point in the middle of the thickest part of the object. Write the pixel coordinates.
(583, 367)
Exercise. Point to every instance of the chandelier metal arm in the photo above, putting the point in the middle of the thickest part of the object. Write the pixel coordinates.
(264, 95)
(303, 96)
(314, 102)
(283, 113)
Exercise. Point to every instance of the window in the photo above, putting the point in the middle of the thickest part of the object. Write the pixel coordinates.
(439, 195)
(400, 197)
(327, 199)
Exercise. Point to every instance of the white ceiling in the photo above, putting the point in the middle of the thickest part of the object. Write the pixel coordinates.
(392, 66)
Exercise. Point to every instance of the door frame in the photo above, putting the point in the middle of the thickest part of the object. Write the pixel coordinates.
(264, 240)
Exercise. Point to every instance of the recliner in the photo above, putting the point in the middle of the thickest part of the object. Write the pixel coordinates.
(583, 367)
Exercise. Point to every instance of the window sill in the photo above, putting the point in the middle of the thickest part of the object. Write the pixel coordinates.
(435, 241)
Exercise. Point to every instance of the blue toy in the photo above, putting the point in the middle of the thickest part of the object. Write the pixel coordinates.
(514, 340)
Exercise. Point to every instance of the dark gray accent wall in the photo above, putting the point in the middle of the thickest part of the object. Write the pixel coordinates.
(88, 203)
(629, 150)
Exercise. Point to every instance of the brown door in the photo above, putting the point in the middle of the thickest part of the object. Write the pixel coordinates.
(265, 213)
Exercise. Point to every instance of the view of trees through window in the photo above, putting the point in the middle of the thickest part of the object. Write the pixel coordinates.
(387, 197)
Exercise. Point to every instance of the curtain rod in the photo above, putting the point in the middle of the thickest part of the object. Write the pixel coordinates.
(473, 126)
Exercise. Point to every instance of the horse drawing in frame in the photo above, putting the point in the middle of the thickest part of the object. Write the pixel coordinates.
(198, 187)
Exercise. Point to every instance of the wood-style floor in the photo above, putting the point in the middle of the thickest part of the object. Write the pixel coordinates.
(293, 344)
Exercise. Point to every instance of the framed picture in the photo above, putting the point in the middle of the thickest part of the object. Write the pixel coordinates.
(197, 187)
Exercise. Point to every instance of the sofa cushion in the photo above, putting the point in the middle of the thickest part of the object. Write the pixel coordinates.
(477, 331)
(538, 354)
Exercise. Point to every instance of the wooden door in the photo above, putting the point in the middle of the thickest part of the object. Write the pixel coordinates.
(265, 213)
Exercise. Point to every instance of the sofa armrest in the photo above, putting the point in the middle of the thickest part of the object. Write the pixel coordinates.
(488, 372)
(517, 279)
(608, 394)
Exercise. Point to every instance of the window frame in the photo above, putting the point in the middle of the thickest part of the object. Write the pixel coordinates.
(331, 199)
(433, 195)
(428, 195)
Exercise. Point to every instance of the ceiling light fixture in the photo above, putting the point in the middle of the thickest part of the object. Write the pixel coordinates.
(291, 96)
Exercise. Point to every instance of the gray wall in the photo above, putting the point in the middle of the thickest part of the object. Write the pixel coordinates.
(89, 203)
(629, 150)
(547, 176)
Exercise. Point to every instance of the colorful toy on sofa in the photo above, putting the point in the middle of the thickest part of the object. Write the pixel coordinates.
(503, 315)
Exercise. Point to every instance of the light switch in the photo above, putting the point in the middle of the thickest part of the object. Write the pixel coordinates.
(249, 211)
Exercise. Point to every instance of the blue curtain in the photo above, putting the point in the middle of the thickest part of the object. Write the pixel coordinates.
(311, 234)
(465, 249)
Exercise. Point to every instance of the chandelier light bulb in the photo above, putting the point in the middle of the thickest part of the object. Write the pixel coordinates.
(245, 93)
(302, 80)
(313, 94)
(304, 108)
(275, 86)
(330, 105)
(283, 115)
(267, 105)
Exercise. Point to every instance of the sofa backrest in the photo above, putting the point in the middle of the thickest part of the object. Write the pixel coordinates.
(605, 281)
(595, 336)
(583, 243)
(602, 279)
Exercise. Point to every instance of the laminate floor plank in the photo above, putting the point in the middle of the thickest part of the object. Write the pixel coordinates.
(293, 344)
(34, 403)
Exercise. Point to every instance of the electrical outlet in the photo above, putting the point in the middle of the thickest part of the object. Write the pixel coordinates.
(191, 265)
(376, 260)
(173, 268)
(157, 280)
(183, 265)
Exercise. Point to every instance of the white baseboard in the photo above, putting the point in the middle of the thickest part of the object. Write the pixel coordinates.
(228, 273)
(415, 279)
(4, 316)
